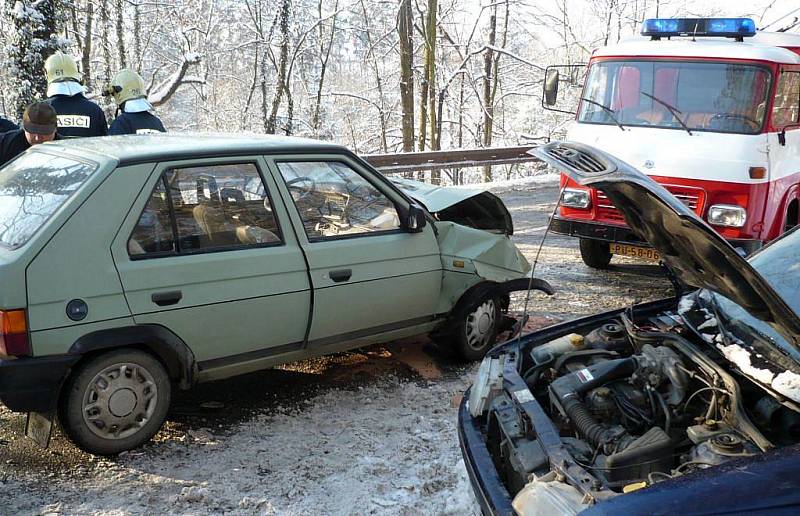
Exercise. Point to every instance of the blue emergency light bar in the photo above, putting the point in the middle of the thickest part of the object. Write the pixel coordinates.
(719, 27)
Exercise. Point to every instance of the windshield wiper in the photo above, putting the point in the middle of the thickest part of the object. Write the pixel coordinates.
(671, 109)
(607, 109)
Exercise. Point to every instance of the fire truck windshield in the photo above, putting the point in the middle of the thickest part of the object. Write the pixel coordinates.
(691, 96)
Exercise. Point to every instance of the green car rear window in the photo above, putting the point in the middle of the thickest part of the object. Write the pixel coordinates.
(32, 188)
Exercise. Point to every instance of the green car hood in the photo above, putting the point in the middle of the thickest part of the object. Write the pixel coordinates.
(472, 207)
(494, 257)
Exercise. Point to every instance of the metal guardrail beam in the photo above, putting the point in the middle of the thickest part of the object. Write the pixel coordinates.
(456, 158)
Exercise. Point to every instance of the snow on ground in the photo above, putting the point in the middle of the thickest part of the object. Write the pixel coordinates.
(385, 448)
(549, 178)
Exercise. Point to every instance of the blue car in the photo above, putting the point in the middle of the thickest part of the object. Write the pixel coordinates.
(686, 405)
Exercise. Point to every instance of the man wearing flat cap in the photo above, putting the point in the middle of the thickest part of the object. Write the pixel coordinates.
(39, 125)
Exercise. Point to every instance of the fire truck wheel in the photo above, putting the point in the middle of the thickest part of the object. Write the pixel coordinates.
(595, 253)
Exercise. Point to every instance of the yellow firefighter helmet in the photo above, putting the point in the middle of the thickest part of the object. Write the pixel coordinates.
(60, 67)
(126, 85)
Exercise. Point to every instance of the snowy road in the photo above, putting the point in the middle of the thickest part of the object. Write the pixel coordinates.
(366, 432)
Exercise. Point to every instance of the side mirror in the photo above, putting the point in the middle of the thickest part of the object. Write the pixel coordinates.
(416, 220)
(551, 86)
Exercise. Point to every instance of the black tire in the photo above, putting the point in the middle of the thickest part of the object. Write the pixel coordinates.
(595, 253)
(134, 408)
(476, 326)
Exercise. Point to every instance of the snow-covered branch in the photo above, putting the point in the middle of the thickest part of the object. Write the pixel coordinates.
(167, 88)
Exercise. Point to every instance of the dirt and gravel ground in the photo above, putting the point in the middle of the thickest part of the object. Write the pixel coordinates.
(366, 432)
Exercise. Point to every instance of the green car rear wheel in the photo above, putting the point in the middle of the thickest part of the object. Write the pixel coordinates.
(115, 401)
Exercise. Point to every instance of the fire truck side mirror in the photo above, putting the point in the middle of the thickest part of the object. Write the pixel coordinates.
(551, 86)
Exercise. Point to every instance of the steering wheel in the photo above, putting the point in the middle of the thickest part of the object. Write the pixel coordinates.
(754, 124)
(296, 185)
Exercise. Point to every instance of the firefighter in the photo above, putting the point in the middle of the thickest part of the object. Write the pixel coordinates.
(6, 125)
(77, 116)
(39, 125)
(127, 88)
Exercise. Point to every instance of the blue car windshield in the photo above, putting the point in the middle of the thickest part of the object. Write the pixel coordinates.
(779, 264)
(32, 188)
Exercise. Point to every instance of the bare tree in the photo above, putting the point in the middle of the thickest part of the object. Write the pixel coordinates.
(120, 25)
(405, 25)
(280, 83)
(324, 57)
(428, 82)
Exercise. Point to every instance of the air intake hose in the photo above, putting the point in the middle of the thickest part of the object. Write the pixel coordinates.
(569, 389)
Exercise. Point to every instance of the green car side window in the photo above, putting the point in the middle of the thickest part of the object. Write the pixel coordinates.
(203, 208)
(221, 206)
(334, 201)
(153, 233)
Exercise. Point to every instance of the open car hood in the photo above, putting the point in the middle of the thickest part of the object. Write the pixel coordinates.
(475, 208)
(694, 251)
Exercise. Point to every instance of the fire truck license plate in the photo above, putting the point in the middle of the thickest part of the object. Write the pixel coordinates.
(633, 251)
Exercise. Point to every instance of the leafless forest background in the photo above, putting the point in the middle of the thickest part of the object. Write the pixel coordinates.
(375, 75)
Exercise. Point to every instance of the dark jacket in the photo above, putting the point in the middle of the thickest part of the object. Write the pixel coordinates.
(13, 143)
(136, 123)
(7, 125)
(78, 116)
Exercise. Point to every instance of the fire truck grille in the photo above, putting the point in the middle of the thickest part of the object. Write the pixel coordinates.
(691, 197)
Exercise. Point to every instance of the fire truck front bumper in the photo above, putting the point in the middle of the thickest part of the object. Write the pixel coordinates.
(624, 235)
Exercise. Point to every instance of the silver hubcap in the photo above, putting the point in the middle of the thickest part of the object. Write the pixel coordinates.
(480, 325)
(119, 401)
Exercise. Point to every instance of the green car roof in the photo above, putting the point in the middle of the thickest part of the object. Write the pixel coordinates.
(129, 149)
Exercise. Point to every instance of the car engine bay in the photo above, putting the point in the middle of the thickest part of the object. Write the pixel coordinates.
(636, 401)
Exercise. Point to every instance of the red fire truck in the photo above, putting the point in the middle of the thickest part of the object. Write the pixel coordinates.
(708, 108)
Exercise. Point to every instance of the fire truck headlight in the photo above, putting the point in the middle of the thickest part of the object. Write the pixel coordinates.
(727, 215)
(574, 198)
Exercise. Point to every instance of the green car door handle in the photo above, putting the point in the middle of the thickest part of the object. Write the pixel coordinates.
(167, 298)
(341, 275)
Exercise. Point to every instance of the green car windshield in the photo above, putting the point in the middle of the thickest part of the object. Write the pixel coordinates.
(704, 96)
(32, 188)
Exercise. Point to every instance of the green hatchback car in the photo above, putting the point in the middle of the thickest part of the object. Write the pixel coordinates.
(134, 265)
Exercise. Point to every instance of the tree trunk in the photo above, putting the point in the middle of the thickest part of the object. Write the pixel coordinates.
(493, 64)
(405, 25)
(378, 81)
(120, 7)
(325, 55)
(459, 174)
(104, 40)
(86, 57)
(289, 111)
(280, 86)
(253, 85)
(428, 98)
(137, 34)
(488, 79)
